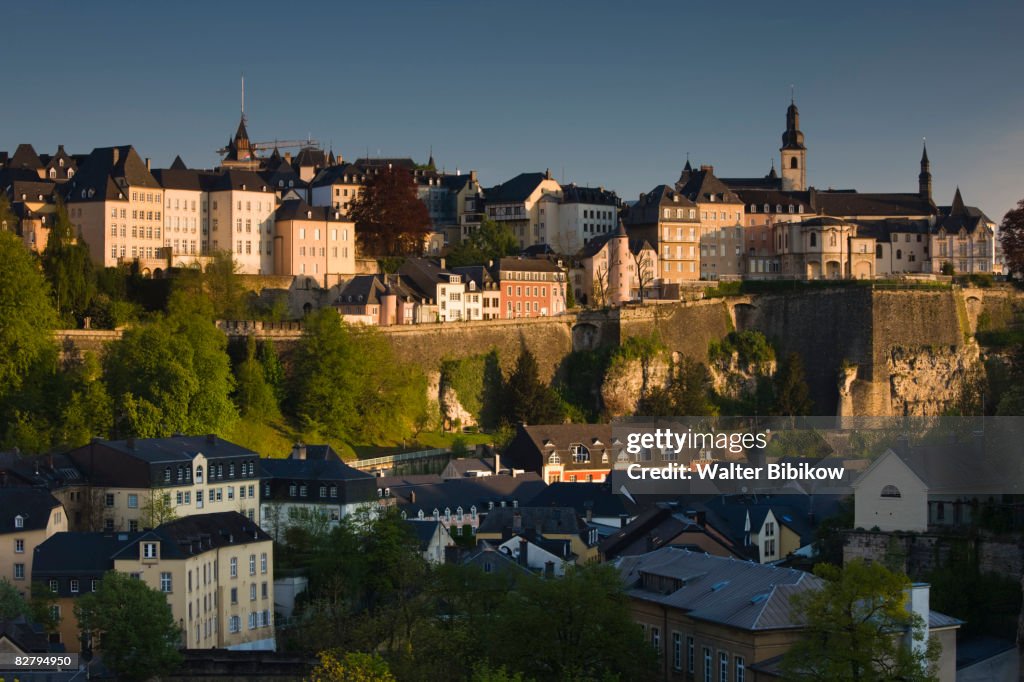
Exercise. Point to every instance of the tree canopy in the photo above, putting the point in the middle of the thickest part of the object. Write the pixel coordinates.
(348, 383)
(792, 394)
(390, 218)
(134, 627)
(1011, 235)
(491, 241)
(527, 398)
(172, 375)
(68, 267)
(855, 629)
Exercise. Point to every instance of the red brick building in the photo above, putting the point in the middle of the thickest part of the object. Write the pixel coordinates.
(530, 287)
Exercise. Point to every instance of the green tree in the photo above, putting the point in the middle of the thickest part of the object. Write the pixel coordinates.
(1011, 235)
(389, 216)
(348, 384)
(527, 398)
(133, 625)
(792, 394)
(172, 375)
(575, 628)
(12, 604)
(853, 628)
(27, 316)
(219, 283)
(687, 393)
(85, 409)
(254, 396)
(158, 509)
(335, 666)
(490, 242)
(273, 370)
(68, 267)
(8, 221)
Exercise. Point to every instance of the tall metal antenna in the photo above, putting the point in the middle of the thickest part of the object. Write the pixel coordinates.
(243, 95)
(792, 94)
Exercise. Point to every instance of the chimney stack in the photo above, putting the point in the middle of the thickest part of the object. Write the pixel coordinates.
(517, 521)
(497, 462)
(549, 569)
(149, 165)
(299, 451)
(116, 155)
(524, 552)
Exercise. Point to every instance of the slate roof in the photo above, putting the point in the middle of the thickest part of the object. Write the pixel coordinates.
(516, 190)
(774, 197)
(850, 203)
(660, 526)
(107, 173)
(25, 157)
(594, 246)
(413, 496)
(384, 162)
(729, 592)
(596, 498)
(475, 273)
(953, 468)
(512, 264)
(361, 290)
(459, 468)
(312, 470)
(533, 444)
(882, 230)
(179, 178)
(175, 448)
(703, 186)
(178, 164)
(310, 156)
(237, 179)
(297, 209)
(958, 217)
(92, 554)
(542, 520)
(424, 530)
(575, 194)
(29, 637)
(647, 210)
(32, 504)
(344, 174)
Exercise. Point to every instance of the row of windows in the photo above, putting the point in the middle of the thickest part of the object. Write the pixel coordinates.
(302, 490)
(725, 668)
(137, 232)
(537, 291)
(799, 208)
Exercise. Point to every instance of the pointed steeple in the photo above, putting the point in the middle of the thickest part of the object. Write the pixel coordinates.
(924, 178)
(430, 161)
(687, 167)
(958, 207)
(178, 164)
(772, 175)
(793, 138)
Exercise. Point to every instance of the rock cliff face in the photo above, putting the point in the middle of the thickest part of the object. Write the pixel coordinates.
(925, 381)
(734, 379)
(626, 381)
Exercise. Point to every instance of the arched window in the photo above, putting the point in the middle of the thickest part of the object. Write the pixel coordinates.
(899, 254)
(199, 474)
(891, 491)
(419, 514)
(793, 163)
(814, 239)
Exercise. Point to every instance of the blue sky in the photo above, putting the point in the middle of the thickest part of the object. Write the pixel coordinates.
(602, 93)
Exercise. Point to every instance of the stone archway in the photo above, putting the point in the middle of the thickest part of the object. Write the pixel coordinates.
(585, 336)
(813, 269)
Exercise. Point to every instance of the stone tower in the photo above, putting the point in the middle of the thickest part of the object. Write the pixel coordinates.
(618, 267)
(794, 153)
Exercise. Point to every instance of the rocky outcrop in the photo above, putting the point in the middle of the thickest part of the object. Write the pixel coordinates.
(927, 380)
(734, 379)
(626, 381)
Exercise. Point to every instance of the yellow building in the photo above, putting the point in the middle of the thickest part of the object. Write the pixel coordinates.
(28, 516)
(669, 222)
(552, 524)
(721, 222)
(215, 569)
(191, 474)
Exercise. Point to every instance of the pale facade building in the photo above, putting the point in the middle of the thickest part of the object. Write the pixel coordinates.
(669, 221)
(216, 571)
(528, 204)
(584, 214)
(186, 213)
(315, 242)
(721, 222)
(28, 516)
(242, 207)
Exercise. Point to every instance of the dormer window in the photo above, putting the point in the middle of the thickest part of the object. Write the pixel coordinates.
(419, 514)
(149, 550)
(767, 208)
(243, 188)
(71, 172)
(199, 474)
(53, 173)
(19, 521)
(309, 215)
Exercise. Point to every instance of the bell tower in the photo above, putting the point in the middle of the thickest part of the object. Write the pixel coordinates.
(794, 153)
(924, 178)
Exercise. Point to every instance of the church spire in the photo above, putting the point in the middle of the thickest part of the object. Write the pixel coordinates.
(924, 178)
(793, 151)
(958, 204)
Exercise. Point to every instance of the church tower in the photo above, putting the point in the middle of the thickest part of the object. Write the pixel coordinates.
(794, 153)
(924, 179)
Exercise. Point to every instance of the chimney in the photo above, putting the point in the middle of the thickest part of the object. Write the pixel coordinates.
(524, 552)
(517, 521)
(442, 263)
(412, 497)
(709, 169)
(497, 462)
(590, 511)
(472, 176)
(299, 451)
(149, 164)
(116, 155)
(623, 520)
(918, 598)
(549, 569)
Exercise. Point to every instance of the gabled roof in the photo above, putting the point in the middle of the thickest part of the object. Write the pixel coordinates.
(730, 592)
(774, 198)
(25, 157)
(33, 505)
(344, 174)
(647, 210)
(433, 493)
(515, 190)
(513, 264)
(595, 498)
(310, 157)
(575, 194)
(108, 173)
(702, 186)
(423, 530)
(179, 178)
(311, 470)
(959, 216)
(178, 164)
(237, 180)
(534, 444)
